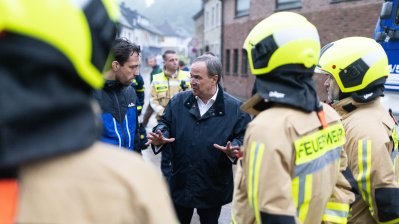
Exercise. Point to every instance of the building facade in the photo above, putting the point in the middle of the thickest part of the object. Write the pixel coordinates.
(198, 48)
(174, 38)
(334, 19)
(139, 29)
(212, 26)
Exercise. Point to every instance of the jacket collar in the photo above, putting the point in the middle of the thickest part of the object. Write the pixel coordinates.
(217, 108)
(112, 85)
(346, 106)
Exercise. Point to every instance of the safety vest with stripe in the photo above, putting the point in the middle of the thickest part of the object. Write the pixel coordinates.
(162, 83)
(164, 88)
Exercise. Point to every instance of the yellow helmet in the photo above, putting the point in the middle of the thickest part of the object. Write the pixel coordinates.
(81, 31)
(354, 62)
(284, 38)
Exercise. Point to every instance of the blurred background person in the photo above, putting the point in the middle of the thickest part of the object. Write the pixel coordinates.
(182, 66)
(156, 69)
(138, 86)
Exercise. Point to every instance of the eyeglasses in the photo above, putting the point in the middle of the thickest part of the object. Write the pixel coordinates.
(195, 79)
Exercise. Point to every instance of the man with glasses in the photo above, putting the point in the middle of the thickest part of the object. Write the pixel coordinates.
(164, 86)
(204, 129)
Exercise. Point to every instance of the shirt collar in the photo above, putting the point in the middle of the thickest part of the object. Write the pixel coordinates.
(213, 98)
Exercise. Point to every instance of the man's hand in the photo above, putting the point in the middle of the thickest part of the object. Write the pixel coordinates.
(231, 151)
(158, 139)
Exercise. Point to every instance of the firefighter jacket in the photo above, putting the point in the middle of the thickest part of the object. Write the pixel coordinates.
(96, 185)
(119, 115)
(201, 175)
(289, 172)
(138, 86)
(164, 88)
(372, 149)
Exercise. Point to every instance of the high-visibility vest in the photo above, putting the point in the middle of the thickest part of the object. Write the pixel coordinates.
(161, 82)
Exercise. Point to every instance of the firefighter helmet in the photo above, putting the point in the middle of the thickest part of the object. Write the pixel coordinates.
(354, 62)
(284, 38)
(84, 38)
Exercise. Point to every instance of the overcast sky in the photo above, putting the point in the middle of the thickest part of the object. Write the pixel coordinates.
(179, 13)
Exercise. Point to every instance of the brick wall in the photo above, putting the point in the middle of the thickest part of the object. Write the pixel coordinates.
(333, 21)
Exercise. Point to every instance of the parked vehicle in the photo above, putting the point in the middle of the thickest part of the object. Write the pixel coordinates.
(387, 34)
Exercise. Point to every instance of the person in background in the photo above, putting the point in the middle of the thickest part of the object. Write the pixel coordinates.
(203, 129)
(138, 86)
(53, 169)
(182, 66)
(357, 69)
(156, 69)
(292, 152)
(164, 86)
(118, 100)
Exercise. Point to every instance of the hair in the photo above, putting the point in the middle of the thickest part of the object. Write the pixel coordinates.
(213, 65)
(166, 53)
(181, 63)
(122, 49)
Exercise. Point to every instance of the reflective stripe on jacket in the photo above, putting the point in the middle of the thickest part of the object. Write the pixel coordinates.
(372, 157)
(290, 169)
(164, 88)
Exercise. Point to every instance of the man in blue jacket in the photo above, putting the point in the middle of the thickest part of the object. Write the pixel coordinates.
(118, 99)
(204, 128)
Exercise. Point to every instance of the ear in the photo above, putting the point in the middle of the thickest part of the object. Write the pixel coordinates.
(215, 78)
(115, 66)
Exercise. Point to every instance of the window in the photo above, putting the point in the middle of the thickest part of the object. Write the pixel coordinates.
(228, 61)
(213, 16)
(206, 20)
(288, 4)
(216, 50)
(244, 62)
(235, 61)
(242, 7)
(217, 14)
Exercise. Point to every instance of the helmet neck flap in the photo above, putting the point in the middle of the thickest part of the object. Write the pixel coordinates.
(289, 87)
(48, 117)
(370, 93)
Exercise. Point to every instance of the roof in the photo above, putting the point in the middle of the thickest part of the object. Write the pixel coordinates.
(167, 29)
(198, 14)
(130, 17)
